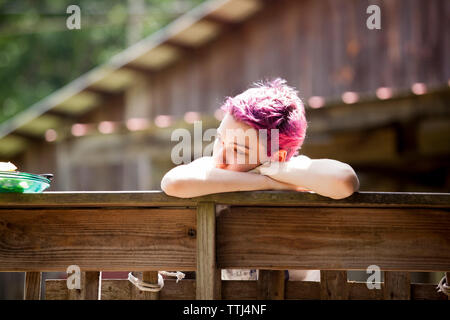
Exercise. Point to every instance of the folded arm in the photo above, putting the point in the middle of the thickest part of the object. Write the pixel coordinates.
(326, 177)
(201, 177)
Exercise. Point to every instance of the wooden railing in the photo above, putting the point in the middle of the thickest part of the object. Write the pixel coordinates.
(269, 230)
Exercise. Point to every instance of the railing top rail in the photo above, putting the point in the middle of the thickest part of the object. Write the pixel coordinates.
(247, 198)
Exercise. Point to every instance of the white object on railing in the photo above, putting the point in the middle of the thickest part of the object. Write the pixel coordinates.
(444, 287)
(145, 286)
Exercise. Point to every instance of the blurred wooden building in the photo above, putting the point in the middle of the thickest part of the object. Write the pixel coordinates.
(378, 99)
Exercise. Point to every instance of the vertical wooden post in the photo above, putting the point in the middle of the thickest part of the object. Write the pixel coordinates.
(32, 286)
(271, 284)
(150, 277)
(447, 279)
(77, 294)
(208, 277)
(333, 285)
(92, 283)
(397, 285)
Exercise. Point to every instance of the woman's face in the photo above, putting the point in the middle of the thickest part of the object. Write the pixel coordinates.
(237, 146)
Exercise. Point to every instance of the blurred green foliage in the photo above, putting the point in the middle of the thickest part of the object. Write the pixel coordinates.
(38, 54)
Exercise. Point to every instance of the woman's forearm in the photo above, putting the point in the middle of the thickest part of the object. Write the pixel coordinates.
(197, 179)
(326, 177)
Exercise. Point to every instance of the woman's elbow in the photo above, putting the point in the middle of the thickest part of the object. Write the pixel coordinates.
(173, 187)
(347, 183)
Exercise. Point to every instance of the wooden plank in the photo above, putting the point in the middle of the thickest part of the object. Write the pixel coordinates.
(235, 290)
(359, 291)
(150, 277)
(56, 289)
(426, 291)
(239, 290)
(447, 280)
(244, 198)
(302, 290)
(92, 285)
(333, 285)
(271, 285)
(120, 290)
(76, 294)
(33, 286)
(397, 286)
(334, 238)
(208, 276)
(97, 239)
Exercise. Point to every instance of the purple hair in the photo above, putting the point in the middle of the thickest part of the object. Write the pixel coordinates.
(272, 105)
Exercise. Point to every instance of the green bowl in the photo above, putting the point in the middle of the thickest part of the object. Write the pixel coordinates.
(22, 182)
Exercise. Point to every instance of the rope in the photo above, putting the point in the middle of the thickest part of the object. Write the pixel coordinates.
(444, 287)
(145, 286)
(179, 275)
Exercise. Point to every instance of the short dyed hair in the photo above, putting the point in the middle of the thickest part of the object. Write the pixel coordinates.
(272, 105)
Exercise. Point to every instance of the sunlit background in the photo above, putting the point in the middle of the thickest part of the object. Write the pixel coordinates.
(96, 106)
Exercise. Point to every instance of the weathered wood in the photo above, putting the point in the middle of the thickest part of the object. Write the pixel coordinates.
(208, 276)
(150, 277)
(271, 285)
(333, 285)
(359, 291)
(397, 285)
(410, 238)
(447, 280)
(77, 294)
(426, 291)
(302, 290)
(244, 198)
(334, 238)
(92, 284)
(97, 239)
(32, 286)
(236, 290)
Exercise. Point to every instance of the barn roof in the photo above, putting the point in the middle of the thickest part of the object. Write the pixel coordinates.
(153, 53)
(192, 30)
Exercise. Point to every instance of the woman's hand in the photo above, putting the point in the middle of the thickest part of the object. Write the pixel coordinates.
(273, 184)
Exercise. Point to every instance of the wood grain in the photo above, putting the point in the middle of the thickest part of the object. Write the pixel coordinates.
(92, 285)
(397, 286)
(97, 239)
(32, 285)
(334, 238)
(333, 285)
(150, 277)
(236, 290)
(207, 275)
(243, 198)
(271, 285)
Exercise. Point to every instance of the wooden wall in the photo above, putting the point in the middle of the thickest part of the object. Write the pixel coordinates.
(322, 48)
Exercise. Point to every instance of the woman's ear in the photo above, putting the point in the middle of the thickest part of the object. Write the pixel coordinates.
(280, 155)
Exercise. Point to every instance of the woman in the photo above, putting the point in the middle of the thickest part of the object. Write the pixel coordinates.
(256, 148)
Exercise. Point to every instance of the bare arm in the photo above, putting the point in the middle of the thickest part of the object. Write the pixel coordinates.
(201, 177)
(326, 177)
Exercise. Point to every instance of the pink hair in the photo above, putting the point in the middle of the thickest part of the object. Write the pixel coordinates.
(272, 105)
